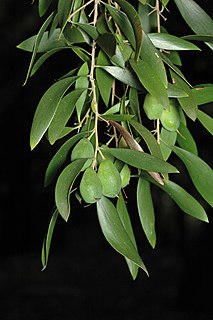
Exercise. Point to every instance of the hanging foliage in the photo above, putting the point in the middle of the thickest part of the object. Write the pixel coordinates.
(125, 81)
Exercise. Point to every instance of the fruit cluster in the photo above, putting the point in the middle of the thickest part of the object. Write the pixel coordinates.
(169, 118)
(107, 179)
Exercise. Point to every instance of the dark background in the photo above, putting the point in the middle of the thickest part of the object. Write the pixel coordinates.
(86, 278)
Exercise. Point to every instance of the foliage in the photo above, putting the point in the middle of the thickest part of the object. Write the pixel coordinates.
(125, 89)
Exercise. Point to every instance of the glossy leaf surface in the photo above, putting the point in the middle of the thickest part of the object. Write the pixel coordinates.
(60, 157)
(146, 210)
(185, 201)
(206, 121)
(46, 109)
(186, 140)
(169, 42)
(125, 219)
(115, 232)
(142, 160)
(199, 171)
(63, 187)
(47, 241)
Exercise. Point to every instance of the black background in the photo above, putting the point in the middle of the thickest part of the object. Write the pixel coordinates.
(85, 278)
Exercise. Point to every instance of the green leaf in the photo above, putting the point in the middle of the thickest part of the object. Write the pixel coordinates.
(89, 29)
(148, 138)
(186, 202)
(115, 232)
(188, 104)
(150, 81)
(175, 92)
(206, 121)
(197, 37)
(46, 109)
(60, 157)
(43, 6)
(64, 184)
(186, 140)
(107, 42)
(36, 44)
(124, 75)
(64, 9)
(146, 210)
(169, 42)
(47, 240)
(118, 117)
(46, 43)
(63, 113)
(152, 57)
(203, 94)
(125, 219)
(196, 18)
(142, 160)
(82, 83)
(135, 22)
(123, 22)
(134, 103)
(103, 78)
(199, 171)
(44, 57)
(168, 138)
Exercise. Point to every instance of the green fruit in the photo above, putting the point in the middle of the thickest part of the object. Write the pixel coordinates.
(110, 179)
(125, 174)
(152, 107)
(90, 186)
(82, 150)
(170, 118)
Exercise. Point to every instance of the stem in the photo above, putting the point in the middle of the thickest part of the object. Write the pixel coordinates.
(157, 8)
(92, 81)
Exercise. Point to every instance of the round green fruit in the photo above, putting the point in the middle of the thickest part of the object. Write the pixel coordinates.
(152, 107)
(110, 179)
(90, 186)
(170, 118)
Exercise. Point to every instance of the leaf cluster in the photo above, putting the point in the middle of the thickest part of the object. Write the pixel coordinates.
(118, 95)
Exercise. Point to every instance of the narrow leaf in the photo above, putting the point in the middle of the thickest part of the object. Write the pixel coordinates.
(168, 138)
(135, 22)
(46, 43)
(46, 109)
(203, 94)
(186, 140)
(188, 104)
(142, 160)
(146, 210)
(37, 41)
(47, 241)
(125, 219)
(43, 6)
(152, 57)
(104, 79)
(199, 171)
(206, 121)
(63, 114)
(196, 18)
(150, 81)
(63, 187)
(60, 157)
(64, 9)
(186, 202)
(124, 75)
(148, 138)
(115, 232)
(169, 42)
